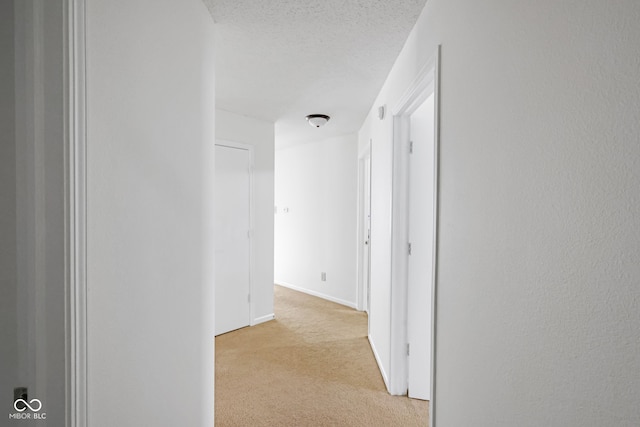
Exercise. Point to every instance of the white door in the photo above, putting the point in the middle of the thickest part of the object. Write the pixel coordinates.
(365, 170)
(232, 240)
(367, 223)
(421, 235)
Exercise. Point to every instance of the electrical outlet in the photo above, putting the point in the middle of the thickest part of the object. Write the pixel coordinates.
(323, 277)
(21, 393)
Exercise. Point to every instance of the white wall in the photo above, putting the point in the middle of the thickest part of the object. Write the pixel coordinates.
(8, 234)
(259, 134)
(49, 300)
(317, 184)
(32, 224)
(150, 145)
(537, 319)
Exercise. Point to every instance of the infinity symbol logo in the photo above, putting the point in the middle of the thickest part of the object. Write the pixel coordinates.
(26, 405)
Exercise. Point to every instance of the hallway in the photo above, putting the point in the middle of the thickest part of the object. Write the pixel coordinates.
(311, 366)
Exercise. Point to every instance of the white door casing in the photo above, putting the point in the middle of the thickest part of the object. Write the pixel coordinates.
(75, 215)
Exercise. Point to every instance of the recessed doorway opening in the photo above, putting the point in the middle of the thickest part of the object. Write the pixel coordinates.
(414, 236)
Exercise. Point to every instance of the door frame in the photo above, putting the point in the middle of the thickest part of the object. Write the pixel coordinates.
(75, 214)
(250, 149)
(426, 83)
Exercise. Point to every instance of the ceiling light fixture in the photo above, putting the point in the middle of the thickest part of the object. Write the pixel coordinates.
(317, 120)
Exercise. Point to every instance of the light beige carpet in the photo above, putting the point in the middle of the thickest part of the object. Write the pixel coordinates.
(311, 366)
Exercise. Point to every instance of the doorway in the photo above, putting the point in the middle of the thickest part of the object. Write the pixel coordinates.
(414, 236)
(233, 236)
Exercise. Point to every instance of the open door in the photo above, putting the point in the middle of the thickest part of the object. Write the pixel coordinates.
(364, 232)
(232, 243)
(421, 236)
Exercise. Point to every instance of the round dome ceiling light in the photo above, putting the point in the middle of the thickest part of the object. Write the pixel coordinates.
(317, 120)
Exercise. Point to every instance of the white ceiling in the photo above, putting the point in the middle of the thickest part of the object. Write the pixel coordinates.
(280, 60)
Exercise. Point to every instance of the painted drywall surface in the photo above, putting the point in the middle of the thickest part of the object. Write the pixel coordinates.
(50, 293)
(316, 201)
(8, 249)
(260, 135)
(537, 306)
(151, 113)
(32, 105)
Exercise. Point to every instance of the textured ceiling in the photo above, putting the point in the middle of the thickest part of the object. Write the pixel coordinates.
(283, 59)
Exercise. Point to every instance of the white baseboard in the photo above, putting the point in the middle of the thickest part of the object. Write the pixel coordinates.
(317, 294)
(382, 371)
(263, 319)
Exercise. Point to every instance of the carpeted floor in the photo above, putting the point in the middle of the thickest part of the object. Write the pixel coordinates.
(311, 366)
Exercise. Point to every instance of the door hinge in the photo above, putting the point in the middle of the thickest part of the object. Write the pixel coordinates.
(410, 147)
(408, 349)
(409, 248)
